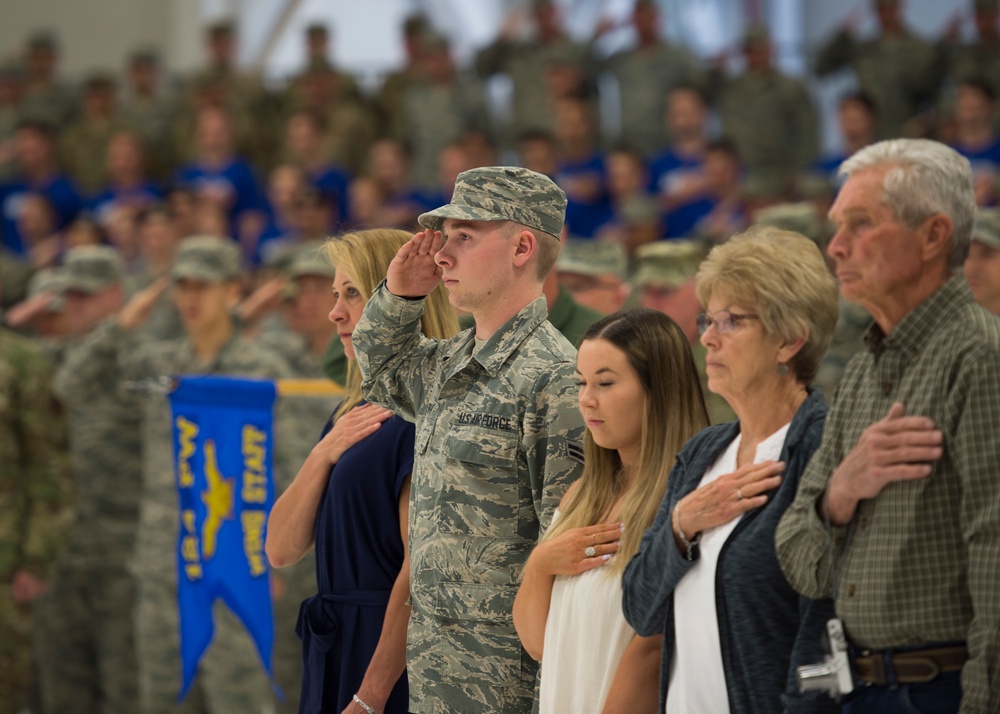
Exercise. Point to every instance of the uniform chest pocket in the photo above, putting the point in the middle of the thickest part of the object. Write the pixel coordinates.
(492, 448)
(482, 497)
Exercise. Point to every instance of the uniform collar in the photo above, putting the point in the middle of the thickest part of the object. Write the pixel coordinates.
(508, 338)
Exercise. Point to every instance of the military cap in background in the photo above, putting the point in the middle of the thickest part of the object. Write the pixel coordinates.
(43, 40)
(310, 259)
(668, 264)
(92, 268)
(987, 229)
(799, 217)
(100, 81)
(317, 29)
(221, 28)
(982, 5)
(207, 258)
(756, 35)
(503, 193)
(49, 280)
(415, 25)
(639, 210)
(592, 257)
(145, 55)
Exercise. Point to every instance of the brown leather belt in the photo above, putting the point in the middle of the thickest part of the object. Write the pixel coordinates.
(912, 667)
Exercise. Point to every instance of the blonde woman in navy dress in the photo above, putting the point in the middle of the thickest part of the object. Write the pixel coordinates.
(350, 500)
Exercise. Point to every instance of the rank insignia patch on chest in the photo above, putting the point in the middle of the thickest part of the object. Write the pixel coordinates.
(574, 450)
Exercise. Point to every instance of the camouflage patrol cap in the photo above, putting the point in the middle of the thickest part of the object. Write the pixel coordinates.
(49, 280)
(799, 217)
(668, 264)
(985, 5)
(592, 257)
(756, 35)
(11, 71)
(310, 259)
(207, 258)
(43, 40)
(97, 81)
(987, 230)
(317, 29)
(92, 268)
(503, 193)
(146, 55)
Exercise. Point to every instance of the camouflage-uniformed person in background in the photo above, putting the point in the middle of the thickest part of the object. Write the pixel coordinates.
(14, 276)
(148, 107)
(646, 73)
(594, 274)
(34, 493)
(348, 128)
(205, 288)
(308, 300)
(317, 47)
(46, 98)
(158, 242)
(84, 635)
(83, 142)
(801, 217)
(901, 71)
(770, 117)
(389, 102)
(527, 63)
(854, 320)
(664, 281)
(982, 266)
(439, 108)
(42, 314)
(498, 429)
(11, 101)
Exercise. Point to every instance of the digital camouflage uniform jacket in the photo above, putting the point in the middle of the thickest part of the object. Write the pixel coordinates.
(497, 444)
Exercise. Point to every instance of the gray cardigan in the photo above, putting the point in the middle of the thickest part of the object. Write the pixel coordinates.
(766, 629)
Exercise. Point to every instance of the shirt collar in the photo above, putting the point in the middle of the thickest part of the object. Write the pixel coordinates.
(918, 325)
(502, 344)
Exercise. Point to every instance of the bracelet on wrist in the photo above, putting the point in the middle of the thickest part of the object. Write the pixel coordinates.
(690, 545)
(368, 708)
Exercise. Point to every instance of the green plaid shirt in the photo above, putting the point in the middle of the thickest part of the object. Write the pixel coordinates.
(919, 563)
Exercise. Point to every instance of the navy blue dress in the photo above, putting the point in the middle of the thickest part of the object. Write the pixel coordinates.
(359, 551)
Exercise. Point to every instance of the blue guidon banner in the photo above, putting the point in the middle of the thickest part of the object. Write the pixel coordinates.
(223, 441)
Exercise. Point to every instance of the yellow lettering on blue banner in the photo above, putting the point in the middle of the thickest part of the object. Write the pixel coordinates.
(253, 541)
(218, 500)
(186, 431)
(254, 458)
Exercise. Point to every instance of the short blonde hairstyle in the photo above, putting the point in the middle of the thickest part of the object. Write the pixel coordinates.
(365, 256)
(548, 247)
(782, 276)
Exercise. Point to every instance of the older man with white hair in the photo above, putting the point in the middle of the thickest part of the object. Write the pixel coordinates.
(898, 515)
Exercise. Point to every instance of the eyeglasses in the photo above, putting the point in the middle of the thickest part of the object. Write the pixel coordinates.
(723, 320)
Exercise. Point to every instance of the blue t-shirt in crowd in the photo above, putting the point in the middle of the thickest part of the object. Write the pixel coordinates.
(332, 183)
(110, 199)
(235, 184)
(585, 218)
(666, 172)
(60, 192)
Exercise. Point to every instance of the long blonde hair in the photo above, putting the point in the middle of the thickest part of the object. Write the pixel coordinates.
(673, 412)
(365, 256)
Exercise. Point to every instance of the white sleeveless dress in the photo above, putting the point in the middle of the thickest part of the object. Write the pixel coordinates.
(585, 638)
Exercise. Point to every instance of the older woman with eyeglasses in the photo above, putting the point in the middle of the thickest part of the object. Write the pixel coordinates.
(706, 576)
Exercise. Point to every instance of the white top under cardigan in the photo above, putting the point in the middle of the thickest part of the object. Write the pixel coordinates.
(697, 677)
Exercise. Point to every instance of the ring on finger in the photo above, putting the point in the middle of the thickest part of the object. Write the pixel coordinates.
(590, 551)
(739, 494)
(593, 537)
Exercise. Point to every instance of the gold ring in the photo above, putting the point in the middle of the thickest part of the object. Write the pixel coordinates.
(593, 537)
(739, 494)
